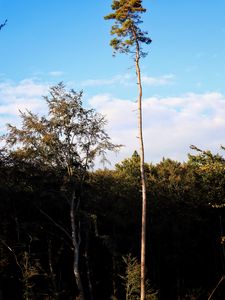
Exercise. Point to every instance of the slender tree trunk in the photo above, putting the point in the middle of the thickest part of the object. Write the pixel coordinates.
(52, 273)
(88, 270)
(76, 246)
(143, 179)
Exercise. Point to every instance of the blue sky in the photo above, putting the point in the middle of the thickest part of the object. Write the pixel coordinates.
(48, 41)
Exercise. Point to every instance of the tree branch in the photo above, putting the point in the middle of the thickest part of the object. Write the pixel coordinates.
(3, 24)
(56, 224)
(13, 253)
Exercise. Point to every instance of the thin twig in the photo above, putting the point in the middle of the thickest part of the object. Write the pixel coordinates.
(221, 280)
(15, 257)
(56, 224)
(2, 25)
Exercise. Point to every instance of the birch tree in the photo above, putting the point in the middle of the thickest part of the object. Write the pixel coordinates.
(67, 140)
(129, 39)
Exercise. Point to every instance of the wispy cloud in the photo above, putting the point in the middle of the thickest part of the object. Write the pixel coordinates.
(27, 88)
(118, 79)
(97, 82)
(56, 73)
(191, 68)
(130, 79)
(158, 81)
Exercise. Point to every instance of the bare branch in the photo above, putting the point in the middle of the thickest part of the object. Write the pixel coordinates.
(3, 24)
(13, 253)
(56, 224)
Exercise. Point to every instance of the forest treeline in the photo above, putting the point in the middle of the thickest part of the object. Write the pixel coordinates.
(68, 232)
(185, 229)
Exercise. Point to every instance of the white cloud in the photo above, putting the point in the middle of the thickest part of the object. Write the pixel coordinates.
(171, 124)
(27, 94)
(26, 88)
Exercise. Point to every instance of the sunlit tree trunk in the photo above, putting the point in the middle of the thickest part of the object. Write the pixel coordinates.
(143, 179)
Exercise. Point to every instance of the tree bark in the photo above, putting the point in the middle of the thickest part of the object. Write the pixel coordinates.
(143, 178)
(76, 246)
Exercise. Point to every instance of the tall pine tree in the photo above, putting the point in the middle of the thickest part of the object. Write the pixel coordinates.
(129, 38)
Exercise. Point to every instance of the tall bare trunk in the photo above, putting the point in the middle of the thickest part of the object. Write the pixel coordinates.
(76, 245)
(143, 179)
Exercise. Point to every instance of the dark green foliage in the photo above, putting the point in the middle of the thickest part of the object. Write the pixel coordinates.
(127, 26)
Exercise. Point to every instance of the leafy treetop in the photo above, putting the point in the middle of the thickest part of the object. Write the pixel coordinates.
(69, 137)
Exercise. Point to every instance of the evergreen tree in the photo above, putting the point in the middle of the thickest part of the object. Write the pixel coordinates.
(129, 40)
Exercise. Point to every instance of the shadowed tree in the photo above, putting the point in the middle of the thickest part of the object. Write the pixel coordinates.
(68, 139)
(129, 38)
